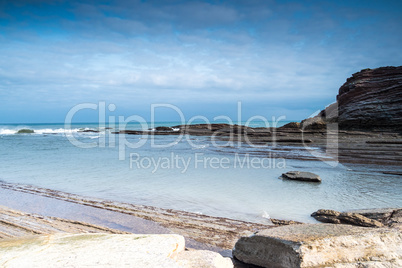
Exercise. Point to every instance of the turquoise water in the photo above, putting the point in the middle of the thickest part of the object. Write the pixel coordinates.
(191, 173)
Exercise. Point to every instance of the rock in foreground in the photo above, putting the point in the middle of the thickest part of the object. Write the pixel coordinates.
(103, 250)
(321, 245)
(301, 176)
(332, 216)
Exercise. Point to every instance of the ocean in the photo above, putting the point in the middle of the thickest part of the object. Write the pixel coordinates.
(190, 173)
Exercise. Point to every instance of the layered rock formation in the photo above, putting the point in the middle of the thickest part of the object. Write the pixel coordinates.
(390, 217)
(369, 100)
(372, 99)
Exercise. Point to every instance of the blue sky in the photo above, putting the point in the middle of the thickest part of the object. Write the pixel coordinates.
(276, 57)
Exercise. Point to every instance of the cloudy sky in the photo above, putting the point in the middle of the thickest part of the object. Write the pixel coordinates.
(276, 57)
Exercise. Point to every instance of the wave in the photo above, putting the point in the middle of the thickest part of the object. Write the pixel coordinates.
(12, 131)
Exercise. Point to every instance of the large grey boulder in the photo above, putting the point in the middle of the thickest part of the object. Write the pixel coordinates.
(103, 250)
(301, 176)
(321, 245)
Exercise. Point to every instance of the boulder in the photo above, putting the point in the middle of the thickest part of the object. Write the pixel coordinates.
(332, 216)
(321, 245)
(25, 131)
(301, 176)
(102, 250)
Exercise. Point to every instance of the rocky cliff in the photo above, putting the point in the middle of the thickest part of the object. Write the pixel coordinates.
(369, 100)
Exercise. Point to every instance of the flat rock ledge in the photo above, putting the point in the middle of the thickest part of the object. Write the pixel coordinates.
(321, 245)
(301, 176)
(105, 250)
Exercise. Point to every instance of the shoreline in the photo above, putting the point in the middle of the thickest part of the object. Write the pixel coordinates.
(201, 231)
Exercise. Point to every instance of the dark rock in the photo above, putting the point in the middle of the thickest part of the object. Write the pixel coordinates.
(315, 125)
(372, 99)
(25, 131)
(385, 142)
(369, 100)
(294, 140)
(327, 216)
(378, 214)
(164, 129)
(332, 216)
(395, 220)
(89, 131)
(391, 217)
(301, 176)
(358, 220)
(291, 125)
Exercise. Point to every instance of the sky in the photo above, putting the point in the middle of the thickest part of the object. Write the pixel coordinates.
(278, 58)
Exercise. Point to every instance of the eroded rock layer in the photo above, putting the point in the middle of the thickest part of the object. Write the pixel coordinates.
(372, 99)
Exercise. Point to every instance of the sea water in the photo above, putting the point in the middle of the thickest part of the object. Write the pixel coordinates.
(190, 173)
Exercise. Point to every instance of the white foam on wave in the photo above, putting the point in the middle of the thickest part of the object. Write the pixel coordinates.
(7, 131)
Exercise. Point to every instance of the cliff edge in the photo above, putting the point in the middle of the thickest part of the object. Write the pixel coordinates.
(369, 100)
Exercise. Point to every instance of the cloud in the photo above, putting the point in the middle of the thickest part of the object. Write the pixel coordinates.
(57, 54)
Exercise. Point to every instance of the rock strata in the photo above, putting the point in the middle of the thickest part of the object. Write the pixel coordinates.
(332, 216)
(369, 100)
(372, 99)
(321, 245)
(391, 217)
(301, 176)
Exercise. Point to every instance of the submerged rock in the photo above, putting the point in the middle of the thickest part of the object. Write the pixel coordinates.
(321, 245)
(301, 176)
(104, 250)
(25, 131)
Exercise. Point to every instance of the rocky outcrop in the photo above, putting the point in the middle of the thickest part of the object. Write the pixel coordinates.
(163, 128)
(105, 250)
(321, 245)
(332, 216)
(15, 223)
(369, 100)
(301, 176)
(25, 131)
(390, 217)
